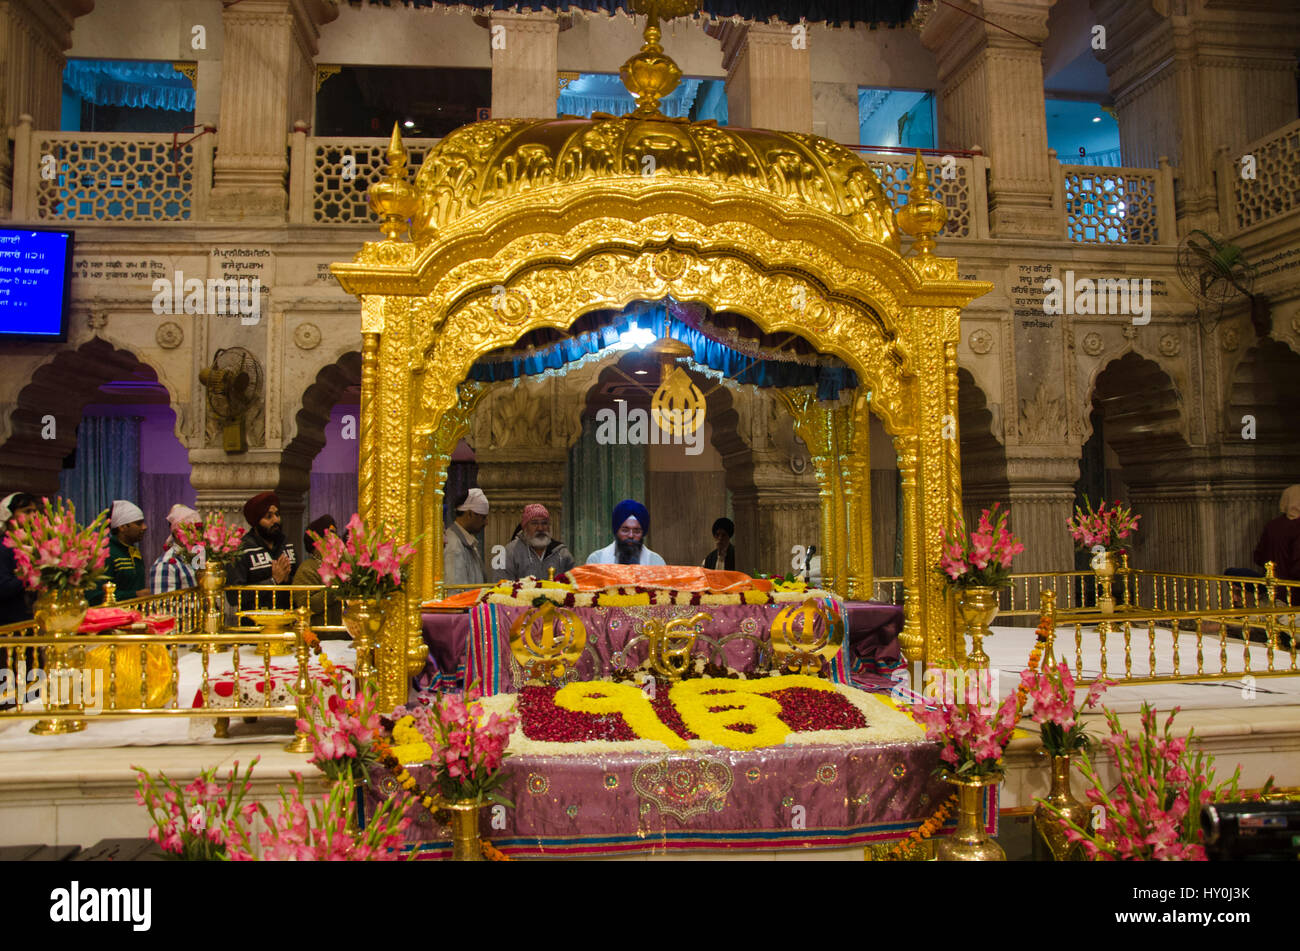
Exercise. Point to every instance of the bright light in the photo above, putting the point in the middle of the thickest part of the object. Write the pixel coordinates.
(1096, 118)
(635, 336)
(640, 372)
(410, 124)
(620, 401)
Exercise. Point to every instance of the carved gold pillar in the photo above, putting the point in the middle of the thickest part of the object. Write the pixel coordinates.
(845, 501)
(815, 426)
(857, 481)
(367, 460)
(452, 428)
(912, 638)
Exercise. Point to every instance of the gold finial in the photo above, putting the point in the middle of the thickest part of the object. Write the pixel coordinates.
(923, 216)
(651, 74)
(393, 198)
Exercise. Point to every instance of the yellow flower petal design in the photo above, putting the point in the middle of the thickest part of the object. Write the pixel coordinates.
(599, 696)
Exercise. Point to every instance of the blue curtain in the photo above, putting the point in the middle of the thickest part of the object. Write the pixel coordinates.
(605, 92)
(107, 82)
(108, 465)
(599, 478)
(707, 352)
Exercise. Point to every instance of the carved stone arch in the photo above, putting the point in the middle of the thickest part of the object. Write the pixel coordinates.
(1263, 385)
(1144, 411)
(983, 457)
(61, 387)
(1171, 403)
(318, 400)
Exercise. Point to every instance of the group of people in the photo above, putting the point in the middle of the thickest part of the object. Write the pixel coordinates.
(535, 552)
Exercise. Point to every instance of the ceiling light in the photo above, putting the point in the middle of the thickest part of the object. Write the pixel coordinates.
(1096, 118)
(640, 372)
(410, 124)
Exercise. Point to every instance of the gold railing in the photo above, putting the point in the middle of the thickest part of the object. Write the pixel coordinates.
(1227, 627)
(206, 635)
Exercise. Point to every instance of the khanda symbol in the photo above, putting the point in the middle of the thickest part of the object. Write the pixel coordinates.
(809, 648)
(671, 644)
(550, 652)
(678, 404)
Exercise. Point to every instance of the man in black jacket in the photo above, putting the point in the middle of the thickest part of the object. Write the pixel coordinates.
(264, 556)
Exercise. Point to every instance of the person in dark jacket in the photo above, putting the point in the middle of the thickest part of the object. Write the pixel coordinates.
(533, 552)
(1280, 541)
(126, 568)
(15, 605)
(723, 556)
(265, 556)
(309, 573)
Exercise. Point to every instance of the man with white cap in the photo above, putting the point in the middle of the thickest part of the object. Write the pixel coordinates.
(462, 563)
(173, 571)
(125, 567)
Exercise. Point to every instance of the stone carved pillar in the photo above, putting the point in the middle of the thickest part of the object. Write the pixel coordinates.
(1190, 78)
(525, 66)
(267, 81)
(991, 94)
(769, 76)
(33, 36)
(1040, 492)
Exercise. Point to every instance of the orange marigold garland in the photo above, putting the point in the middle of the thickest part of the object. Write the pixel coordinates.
(492, 853)
(940, 815)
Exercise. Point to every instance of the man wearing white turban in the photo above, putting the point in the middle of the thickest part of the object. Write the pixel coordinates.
(173, 571)
(126, 567)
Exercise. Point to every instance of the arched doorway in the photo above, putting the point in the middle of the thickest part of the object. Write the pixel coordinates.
(520, 225)
(327, 439)
(94, 424)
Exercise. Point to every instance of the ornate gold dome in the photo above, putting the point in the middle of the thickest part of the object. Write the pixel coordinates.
(492, 161)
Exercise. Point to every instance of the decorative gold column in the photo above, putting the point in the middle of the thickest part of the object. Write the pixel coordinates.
(815, 426)
(912, 638)
(857, 478)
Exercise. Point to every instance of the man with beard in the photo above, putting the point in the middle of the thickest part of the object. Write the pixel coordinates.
(264, 556)
(533, 552)
(631, 523)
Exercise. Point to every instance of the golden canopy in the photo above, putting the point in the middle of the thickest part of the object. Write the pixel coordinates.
(517, 225)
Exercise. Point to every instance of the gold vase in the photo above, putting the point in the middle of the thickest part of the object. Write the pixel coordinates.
(465, 845)
(364, 619)
(1104, 570)
(212, 581)
(970, 843)
(59, 612)
(1049, 841)
(978, 606)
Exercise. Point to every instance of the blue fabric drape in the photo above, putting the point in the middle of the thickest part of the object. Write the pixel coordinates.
(871, 13)
(107, 82)
(707, 352)
(108, 465)
(605, 92)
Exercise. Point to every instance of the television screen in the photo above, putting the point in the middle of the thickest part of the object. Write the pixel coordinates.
(35, 274)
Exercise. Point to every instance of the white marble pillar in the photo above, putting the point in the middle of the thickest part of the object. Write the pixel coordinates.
(769, 76)
(991, 94)
(33, 37)
(1190, 78)
(267, 84)
(525, 65)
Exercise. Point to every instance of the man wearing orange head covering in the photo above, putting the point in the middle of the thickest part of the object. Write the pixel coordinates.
(1280, 542)
(533, 552)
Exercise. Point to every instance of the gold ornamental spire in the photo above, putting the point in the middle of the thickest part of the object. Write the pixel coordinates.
(923, 216)
(393, 198)
(651, 74)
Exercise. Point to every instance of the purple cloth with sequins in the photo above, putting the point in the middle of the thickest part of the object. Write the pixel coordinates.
(872, 629)
(804, 797)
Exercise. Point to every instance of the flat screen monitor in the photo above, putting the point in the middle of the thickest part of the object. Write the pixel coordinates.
(35, 283)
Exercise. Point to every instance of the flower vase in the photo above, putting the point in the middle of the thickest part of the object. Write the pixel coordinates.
(364, 619)
(212, 580)
(1050, 842)
(465, 846)
(978, 606)
(970, 843)
(58, 612)
(1104, 570)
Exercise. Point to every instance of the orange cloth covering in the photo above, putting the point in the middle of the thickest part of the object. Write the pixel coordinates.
(668, 577)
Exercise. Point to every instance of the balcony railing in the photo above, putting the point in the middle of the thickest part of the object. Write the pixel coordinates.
(959, 182)
(1118, 205)
(108, 176)
(328, 178)
(1261, 180)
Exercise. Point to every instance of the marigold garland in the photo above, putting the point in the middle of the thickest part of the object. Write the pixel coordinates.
(492, 853)
(755, 708)
(940, 815)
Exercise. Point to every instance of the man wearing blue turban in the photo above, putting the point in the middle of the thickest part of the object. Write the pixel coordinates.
(631, 523)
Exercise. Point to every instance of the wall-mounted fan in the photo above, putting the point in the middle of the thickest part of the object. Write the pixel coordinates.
(1217, 273)
(233, 382)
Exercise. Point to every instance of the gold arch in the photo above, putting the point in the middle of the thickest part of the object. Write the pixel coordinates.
(541, 256)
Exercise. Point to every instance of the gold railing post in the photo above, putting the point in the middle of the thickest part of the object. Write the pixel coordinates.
(301, 742)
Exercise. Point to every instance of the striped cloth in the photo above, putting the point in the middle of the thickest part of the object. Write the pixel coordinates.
(171, 572)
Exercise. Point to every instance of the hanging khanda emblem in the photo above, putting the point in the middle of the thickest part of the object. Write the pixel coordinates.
(805, 637)
(671, 644)
(678, 404)
(547, 641)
